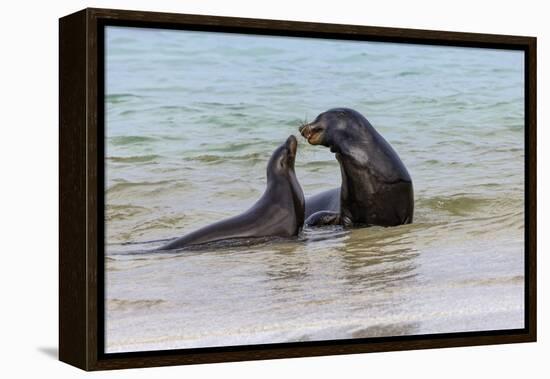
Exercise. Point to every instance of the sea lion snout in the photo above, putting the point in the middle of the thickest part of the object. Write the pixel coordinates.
(312, 132)
(305, 130)
(292, 144)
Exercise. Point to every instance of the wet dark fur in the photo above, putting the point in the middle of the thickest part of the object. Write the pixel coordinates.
(376, 186)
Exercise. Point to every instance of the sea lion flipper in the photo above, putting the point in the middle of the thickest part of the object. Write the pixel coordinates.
(323, 218)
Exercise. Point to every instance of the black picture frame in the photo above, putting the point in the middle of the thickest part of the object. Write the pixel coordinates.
(81, 154)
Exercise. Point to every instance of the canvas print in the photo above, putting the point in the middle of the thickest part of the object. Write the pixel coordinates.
(270, 189)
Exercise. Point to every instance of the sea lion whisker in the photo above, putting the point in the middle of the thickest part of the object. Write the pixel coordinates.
(303, 124)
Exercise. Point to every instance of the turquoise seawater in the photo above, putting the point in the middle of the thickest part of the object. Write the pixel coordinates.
(193, 117)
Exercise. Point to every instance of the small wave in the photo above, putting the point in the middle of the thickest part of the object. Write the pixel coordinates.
(423, 100)
(160, 89)
(499, 105)
(117, 98)
(508, 150)
(264, 51)
(142, 242)
(182, 108)
(125, 305)
(502, 70)
(456, 205)
(409, 73)
(491, 185)
(128, 112)
(347, 58)
(508, 280)
(238, 146)
(123, 212)
(210, 158)
(163, 222)
(383, 330)
(433, 162)
(129, 140)
(210, 104)
(216, 121)
(123, 186)
(509, 221)
(134, 159)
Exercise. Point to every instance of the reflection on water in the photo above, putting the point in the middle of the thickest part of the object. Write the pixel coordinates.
(191, 120)
(402, 329)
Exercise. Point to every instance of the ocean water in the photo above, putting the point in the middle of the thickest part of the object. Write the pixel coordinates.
(193, 117)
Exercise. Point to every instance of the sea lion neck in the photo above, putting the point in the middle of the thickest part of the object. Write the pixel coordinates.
(279, 177)
(352, 144)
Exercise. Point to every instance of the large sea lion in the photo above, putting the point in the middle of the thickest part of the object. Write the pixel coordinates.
(376, 187)
(278, 213)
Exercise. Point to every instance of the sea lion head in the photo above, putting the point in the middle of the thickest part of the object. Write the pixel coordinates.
(329, 126)
(280, 172)
(283, 158)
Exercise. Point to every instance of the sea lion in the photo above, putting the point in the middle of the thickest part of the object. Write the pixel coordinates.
(328, 200)
(278, 213)
(376, 187)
